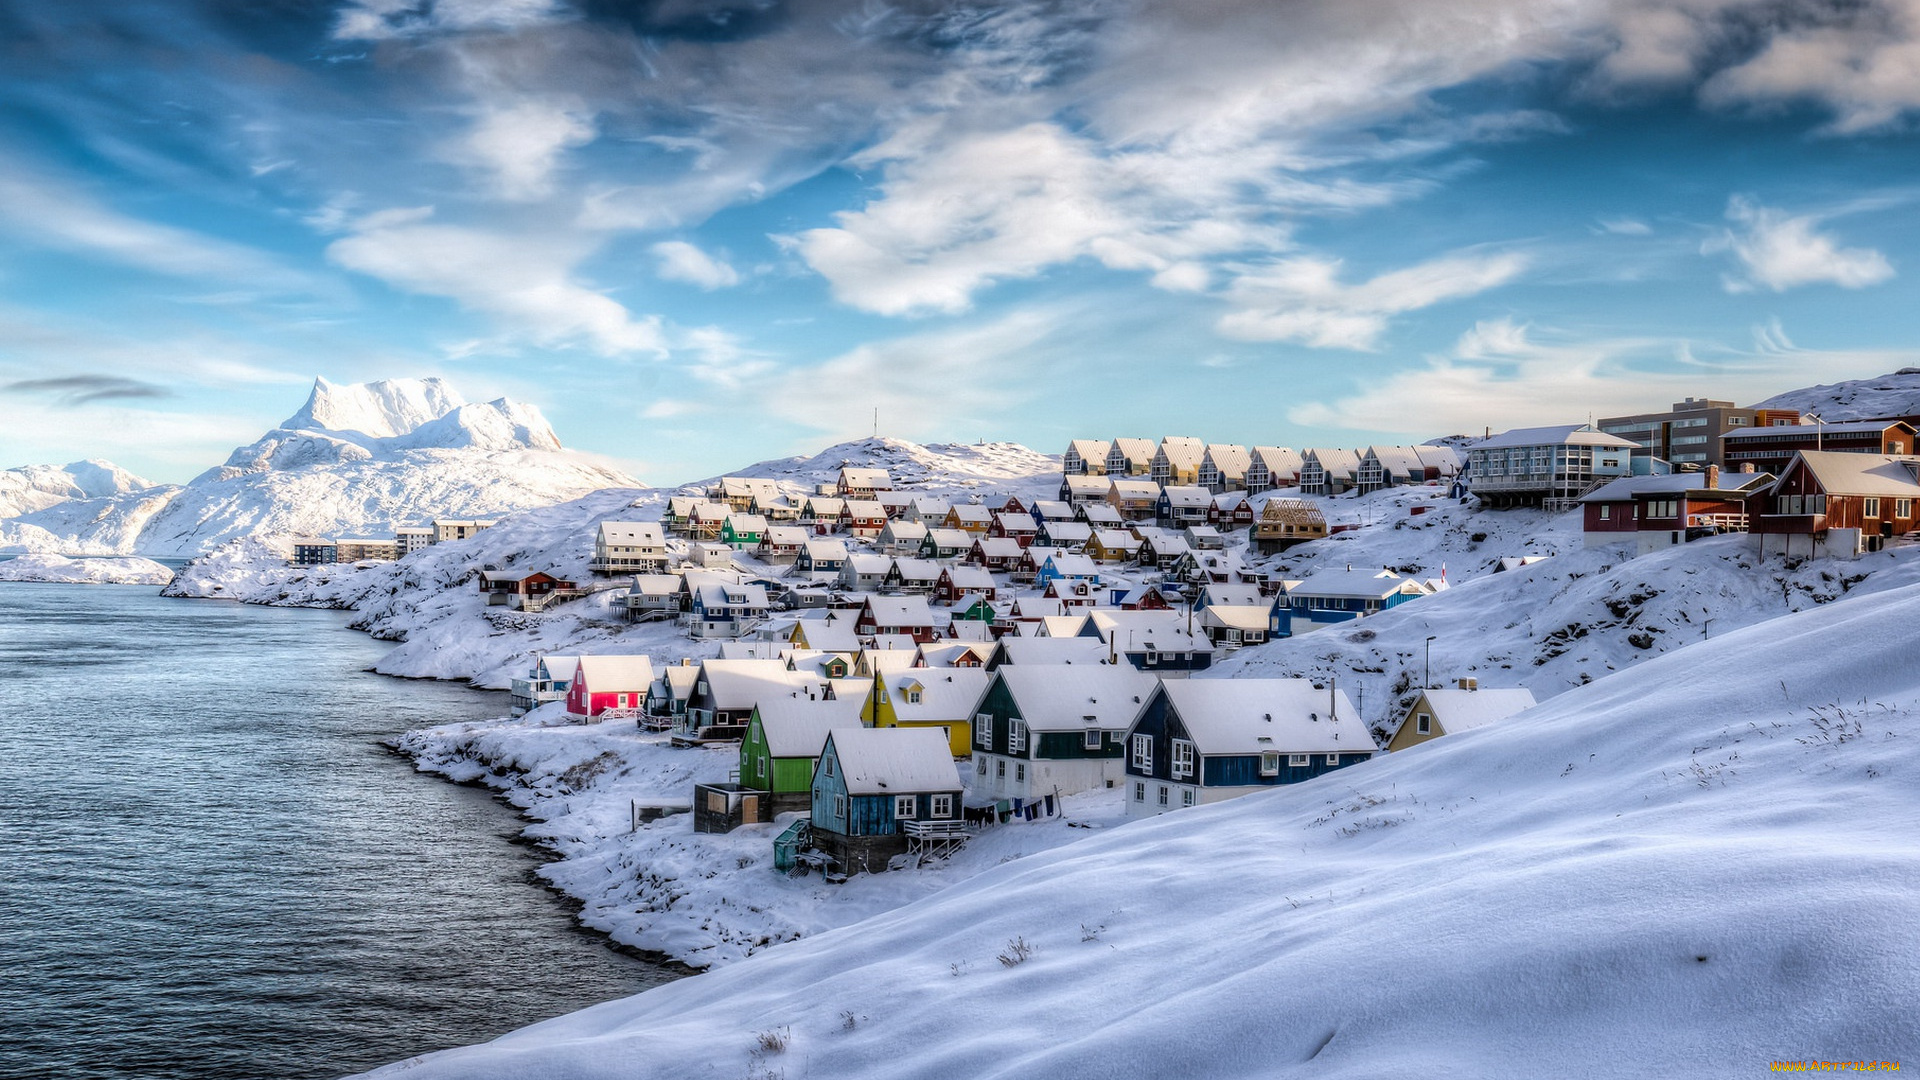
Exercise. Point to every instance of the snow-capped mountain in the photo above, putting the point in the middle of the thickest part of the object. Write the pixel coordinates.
(359, 458)
(36, 487)
(1893, 394)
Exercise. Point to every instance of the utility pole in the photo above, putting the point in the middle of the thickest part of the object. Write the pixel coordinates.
(1428, 684)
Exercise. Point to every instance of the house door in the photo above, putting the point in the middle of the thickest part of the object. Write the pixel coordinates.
(749, 808)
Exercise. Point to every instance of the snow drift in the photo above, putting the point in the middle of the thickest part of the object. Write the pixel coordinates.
(1701, 865)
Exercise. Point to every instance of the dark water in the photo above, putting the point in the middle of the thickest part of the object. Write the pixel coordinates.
(209, 867)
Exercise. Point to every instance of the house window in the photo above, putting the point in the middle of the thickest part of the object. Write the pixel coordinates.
(828, 765)
(1163, 794)
(1139, 792)
(1606, 512)
(839, 807)
(1017, 736)
(1019, 772)
(943, 806)
(1333, 759)
(903, 807)
(1903, 508)
(983, 728)
(1143, 752)
(1000, 770)
(1270, 763)
(1423, 723)
(1182, 758)
(1186, 797)
(1091, 740)
(1299, 759)
(1870, 507)
(913, 697)
(980, 767)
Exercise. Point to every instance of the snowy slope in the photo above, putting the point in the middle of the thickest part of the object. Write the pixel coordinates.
(1893, 394)
(37, 487)
(109, 571)
(946, 470)
(1636, 876)
(393, 461)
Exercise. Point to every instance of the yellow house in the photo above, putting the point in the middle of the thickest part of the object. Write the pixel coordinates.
(1440, 712)
(928, 698)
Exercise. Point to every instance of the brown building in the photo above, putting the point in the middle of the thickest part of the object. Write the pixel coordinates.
(1771, 449)
(1689, 434)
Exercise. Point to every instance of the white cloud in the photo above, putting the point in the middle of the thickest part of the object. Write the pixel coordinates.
(375, 20)
(1624, 226)
(1302, 299)
(1862, 61)
(681, 261)
(1780, 251)
(525, 281)
(1498, 376)
(519, 145)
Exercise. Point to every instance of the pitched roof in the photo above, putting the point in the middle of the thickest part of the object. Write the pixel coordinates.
(1181, 496)
(1140, 450)
(1558, 435)
(1629, 487)
(1464, 710)
(1052, 652)
(1182, 451)
(1280, 460)
(1252, 716)
(1091, 449)
(894, 761)
(632, 533)
(612, 674)
(950, 538)
(865, 508)
(900, 610)
(1841, 473)
(1075, 697)
(945, 693)
(1360, 584)
(798, 727)
(825, 550)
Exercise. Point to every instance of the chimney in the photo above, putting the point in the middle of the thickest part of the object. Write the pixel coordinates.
(1713, 477)
(1469, 683)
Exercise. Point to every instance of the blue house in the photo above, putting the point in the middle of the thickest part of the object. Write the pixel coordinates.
(1336, 596)
(1170, 644)
(1201, 741)
(1063, 564)
(823, 558)
(880, 792)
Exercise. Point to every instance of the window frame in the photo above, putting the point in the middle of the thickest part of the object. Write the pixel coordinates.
(942, 806)
(1180, 761)
(912, 805)
(1140, 753)
(1299, 760)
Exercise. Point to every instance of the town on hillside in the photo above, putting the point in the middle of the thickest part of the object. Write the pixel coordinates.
(899, 670)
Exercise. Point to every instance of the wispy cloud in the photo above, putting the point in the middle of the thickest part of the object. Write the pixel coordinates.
(76, 390)
(1303, 300)
(1780, 251)
(519, 144)
(681, 261)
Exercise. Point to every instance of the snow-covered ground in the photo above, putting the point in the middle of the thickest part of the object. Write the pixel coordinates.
(1701, 864)
(402, 451)
(98, 571)
(700, 899)
(1894, 394)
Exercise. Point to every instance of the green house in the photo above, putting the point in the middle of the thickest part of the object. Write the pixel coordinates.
(783, 741)
(981, 611)
(742, 531)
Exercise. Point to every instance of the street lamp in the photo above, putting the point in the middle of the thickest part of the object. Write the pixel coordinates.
(1819, 431)
(1428, 685)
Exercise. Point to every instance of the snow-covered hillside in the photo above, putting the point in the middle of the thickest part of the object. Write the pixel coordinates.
(36, 487)
(1894, 394)
(1702, 864)
(104, 571)
(405, 450)
(948, 470)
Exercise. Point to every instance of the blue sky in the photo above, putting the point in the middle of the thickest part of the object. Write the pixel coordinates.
(702, 234)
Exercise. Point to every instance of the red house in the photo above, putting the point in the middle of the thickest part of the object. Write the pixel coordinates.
(895, 615)
(606, 686)
(1660, 511)
(1836, 503)
(1013, 526)
(526, 590)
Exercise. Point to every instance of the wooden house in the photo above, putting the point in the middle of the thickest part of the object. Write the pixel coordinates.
(927, 512)
(895, 503)
(1223, 467)
(832, 632)
(524, 590)
(653, 596)
(628, 547)
(1134, 500)
(1652, 512)
(907, 615)
(607, 687)
(862, 483)
(1389, 466)
(951, 652)
(1081, 490)
(995, 553)
(864, 573)
(944, 543)
(1067, 535)
(1161, 549)
(1130, 457)
(725, 692)
(1230, 626)
(958, 584)
(1336, 596)
(680, 512)
(1113, 546)
(722, 610)
(1164, 643)
(823, 514)
(1009, 525)
(1286, 522)
(1231, 510)
(668, 694)
(864, 518)
(1085, 457)
(1460, 708)
(1203, 538)
(938, 698)
(1328, 471)
(548, 680)
(739, 492)
(1180, 507)
(1014, 649)
(1074, 594)
(1013, 505)
(902, 537)
(1102, 515)
(782, 745)
(776, 508)
(1055, 510)
(1838, 503)
(780, 544)
(1770, 449)
(1200, 741)
(1063, 564)
(918, 576)
(821, 560)
(876, 792)
(1177, 461)
(974, 520)
(1026, 568)
(1043, 731)
(705, 520)
(1270, 467)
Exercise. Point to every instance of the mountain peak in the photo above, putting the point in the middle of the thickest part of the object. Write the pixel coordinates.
(376, 410)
